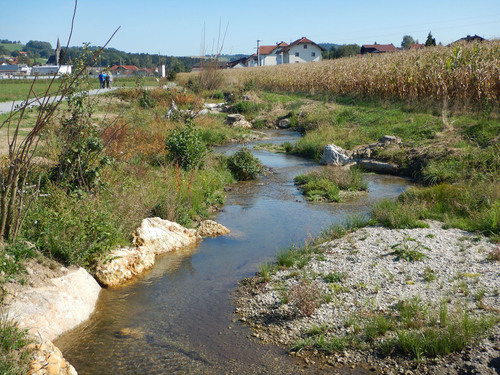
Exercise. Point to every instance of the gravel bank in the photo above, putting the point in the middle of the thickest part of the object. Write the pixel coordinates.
(366, 277)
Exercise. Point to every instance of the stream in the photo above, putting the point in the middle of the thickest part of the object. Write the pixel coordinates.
(178, 318)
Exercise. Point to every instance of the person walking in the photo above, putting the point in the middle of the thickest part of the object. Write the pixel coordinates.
(109, 80)
(102, 79)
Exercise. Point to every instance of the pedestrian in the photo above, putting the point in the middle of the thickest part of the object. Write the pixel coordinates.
(102, 78)
(109, 80)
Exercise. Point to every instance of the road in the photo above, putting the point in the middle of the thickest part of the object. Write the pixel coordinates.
(6, 107)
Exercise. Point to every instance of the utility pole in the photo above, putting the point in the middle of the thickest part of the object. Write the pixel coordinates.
(258, 52)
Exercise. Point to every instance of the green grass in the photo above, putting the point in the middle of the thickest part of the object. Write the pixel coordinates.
(411, 329)
(471, 207)
(11, 47)
(14, 354)
(325, 183)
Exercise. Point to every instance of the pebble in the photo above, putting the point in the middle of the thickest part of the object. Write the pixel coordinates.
(374, 279)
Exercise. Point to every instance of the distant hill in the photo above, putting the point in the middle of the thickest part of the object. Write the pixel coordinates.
(11, 47)
(328, 46)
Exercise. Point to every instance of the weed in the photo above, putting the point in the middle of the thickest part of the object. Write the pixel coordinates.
(334, 277)
(306, 296)
(494, 255)
(265, 272)
(406, 251)
(377, 326)
(429, 275)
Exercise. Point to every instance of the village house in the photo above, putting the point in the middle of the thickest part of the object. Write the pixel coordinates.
(130, 70)
(378, 48)
(300, 51)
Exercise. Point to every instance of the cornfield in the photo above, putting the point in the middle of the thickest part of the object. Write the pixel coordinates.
(466, 73)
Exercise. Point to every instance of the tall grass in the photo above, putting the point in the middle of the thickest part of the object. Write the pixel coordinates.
(466, 73)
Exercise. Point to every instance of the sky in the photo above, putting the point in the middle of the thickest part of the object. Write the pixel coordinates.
(195, 27)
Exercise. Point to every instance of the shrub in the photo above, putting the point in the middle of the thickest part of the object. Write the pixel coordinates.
(185, 147)
(306, 296)
(71, 229)
(325, 183)
(146, 100)
(244, 165)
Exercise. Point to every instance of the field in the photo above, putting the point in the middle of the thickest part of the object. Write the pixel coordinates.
(13, 90)
(465, 75)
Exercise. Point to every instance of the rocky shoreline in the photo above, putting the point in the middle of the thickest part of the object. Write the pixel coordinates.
(363, 274)
(58, 299)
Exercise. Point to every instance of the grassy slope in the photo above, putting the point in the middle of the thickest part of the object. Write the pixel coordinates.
(12, 47)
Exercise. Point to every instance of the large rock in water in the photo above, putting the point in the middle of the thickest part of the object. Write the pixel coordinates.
(154, 236)
(62, 304)
(334, 155)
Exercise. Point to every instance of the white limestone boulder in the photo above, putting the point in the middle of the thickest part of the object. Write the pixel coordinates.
(60, 305)
(334, 155)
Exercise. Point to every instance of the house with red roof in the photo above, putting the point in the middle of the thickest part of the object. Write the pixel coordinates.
(130, 70)
(271, 55)
(300, 51)
(378, 48)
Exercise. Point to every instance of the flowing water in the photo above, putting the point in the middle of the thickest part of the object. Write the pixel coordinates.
(179, 318)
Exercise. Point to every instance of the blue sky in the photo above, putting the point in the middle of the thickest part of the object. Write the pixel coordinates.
(177, 27)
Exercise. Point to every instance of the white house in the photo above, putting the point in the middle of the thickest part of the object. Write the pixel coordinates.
(51, 70)
(271, 55)
(301, 51)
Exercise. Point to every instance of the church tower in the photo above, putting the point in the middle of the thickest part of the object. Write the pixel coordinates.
(58, 53)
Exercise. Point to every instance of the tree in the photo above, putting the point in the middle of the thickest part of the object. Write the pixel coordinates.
(43, 48)
(407, 42)
(430, 40)
(347, 50)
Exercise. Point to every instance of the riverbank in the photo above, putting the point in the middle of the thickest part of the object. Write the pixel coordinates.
(360, 283)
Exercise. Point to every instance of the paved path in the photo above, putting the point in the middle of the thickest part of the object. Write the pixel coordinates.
(6, 107)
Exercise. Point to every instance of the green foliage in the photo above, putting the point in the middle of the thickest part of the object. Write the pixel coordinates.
(430, 42)
(185, 147)
(14, 355)
(334, 277)
(244, 165)
(146, 101)
(408, 41)
(247, 108)
(409, 250)
(71, 229)
(265, 271)
(81, 158)
(326, 183)
(472, 207)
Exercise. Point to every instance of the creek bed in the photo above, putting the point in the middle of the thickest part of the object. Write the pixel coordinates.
(178, 318)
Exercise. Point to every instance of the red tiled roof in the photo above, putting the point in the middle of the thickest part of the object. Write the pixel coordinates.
(381, 47)
(302, 40)
(126, 67)
(266, 50)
